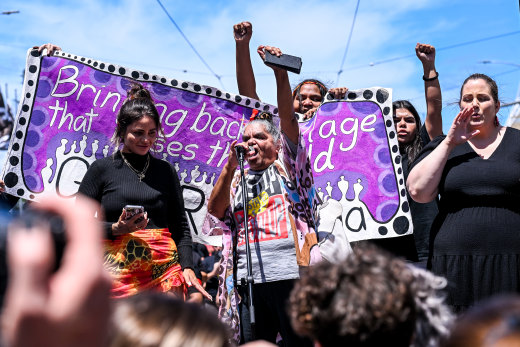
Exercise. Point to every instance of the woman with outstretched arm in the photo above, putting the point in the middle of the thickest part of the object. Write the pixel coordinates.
(281, 220)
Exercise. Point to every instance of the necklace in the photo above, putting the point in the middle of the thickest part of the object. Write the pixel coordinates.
(140, 174)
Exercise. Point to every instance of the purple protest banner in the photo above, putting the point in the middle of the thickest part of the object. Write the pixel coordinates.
(67, 117)
(357, 167)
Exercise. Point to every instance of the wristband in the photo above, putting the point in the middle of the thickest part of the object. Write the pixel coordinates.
(431, 78)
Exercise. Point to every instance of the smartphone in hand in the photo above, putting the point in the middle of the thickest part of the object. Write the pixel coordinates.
(132, 210)
(285, 61)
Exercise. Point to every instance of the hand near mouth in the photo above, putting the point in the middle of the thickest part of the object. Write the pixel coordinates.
(248, 152)
(460, 131)
(232, 161)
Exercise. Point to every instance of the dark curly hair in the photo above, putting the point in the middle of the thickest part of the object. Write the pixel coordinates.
(369, 299)
(139, 103)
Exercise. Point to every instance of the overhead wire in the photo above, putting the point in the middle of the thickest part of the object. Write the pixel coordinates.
(348, 43)
(190, 44)
(494, 76)
(408, 56)
(389, 60)
(361, 66)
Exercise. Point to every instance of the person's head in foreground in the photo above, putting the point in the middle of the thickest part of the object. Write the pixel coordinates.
(370, 299)
(156, 319)
(493, 323)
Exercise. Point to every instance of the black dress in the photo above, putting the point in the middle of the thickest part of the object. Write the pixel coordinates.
(475, 239)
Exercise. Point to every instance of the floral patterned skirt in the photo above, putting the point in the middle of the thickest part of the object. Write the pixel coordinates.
(144, 260)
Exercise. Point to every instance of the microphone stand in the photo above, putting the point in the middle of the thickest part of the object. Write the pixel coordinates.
(249, 280)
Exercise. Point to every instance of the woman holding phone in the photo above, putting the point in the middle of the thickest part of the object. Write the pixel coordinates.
(148, 248)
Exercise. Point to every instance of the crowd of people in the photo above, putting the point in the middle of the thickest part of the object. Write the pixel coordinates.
(132, 276)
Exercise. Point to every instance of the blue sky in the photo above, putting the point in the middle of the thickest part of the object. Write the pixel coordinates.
(138, 34)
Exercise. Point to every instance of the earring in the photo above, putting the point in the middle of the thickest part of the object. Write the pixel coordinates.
(496, 121)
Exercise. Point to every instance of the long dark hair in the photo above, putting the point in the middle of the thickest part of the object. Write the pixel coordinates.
(413, 147)
(139, 103)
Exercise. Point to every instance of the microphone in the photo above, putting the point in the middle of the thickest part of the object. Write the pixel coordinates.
(241, 152)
